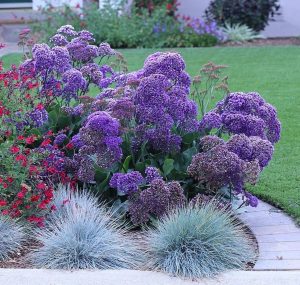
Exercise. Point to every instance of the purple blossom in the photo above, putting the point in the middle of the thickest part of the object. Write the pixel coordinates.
(169, 64)
(156, 200)
(67, 30)
(74, 82)
(208, 142)
(77, 142)
(249, 114)
(43, 56)
(210, 120)
(151, 174)
(262, 150)
(60, 139)
(59, 40)
(38, 117)
(86, 36)
(104, 49)
(126, 183)
(62, 59)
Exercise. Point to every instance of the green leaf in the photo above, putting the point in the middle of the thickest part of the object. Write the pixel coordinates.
(168, 166)
(126, 163)
(140, 166)
(189, 138)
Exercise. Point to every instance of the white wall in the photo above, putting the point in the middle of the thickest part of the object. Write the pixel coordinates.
(36, 4)
(193, 8)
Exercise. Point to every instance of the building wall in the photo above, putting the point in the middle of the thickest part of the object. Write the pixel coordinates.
(56, 3)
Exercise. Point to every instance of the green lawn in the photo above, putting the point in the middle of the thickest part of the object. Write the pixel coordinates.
(274, 72)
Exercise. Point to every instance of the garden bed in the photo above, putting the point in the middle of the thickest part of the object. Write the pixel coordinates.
(286, 41)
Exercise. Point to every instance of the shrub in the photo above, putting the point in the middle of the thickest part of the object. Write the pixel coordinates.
(84, 239)
(141, 123)
(198, 242)
(11, 238)
(170, 5)
(129, 30)
(253, 13)
(239, 33)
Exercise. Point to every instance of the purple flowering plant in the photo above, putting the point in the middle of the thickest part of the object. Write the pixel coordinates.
(149, 140)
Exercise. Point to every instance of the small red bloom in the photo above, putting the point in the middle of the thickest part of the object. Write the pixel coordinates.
(5, 185)
(21, 195)
(70, 145)
(40, 106)
(41, 186)
(35, 198)
(5, 212)
(14, 149)
(46, 142)
(20, 138)
(10, 179)
(3, 203)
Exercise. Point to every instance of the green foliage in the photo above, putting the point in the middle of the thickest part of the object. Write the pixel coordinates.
(124, 29)
(239, 33)
(198, 242)
(253, 13)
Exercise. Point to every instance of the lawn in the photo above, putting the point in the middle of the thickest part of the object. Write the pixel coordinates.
(274, 73)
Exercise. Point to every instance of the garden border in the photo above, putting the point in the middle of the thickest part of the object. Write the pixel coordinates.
(277, 235)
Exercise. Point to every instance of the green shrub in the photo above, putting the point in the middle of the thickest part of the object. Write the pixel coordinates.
(125, 30)
(253, 13)
(198, 242)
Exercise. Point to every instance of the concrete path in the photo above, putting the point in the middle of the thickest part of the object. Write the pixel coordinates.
(131, 277)
(277, 235)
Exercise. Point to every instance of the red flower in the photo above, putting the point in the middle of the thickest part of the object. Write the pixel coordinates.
(20, 138)
(169, 6)
(30, 140)
(46, 142)
(35, 198)
(40, 106)
(41, 186)
(53, 208)
(3, 203)
(5, 212)
(5, 185)
(14, 149)
(21, 195)
(9, 179)
(70, 145)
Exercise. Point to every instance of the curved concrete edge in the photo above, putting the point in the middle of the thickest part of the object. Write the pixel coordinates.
(277, 235)
(133, 277)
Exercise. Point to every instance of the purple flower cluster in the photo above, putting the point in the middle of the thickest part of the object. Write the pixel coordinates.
(156, 200)
(201, 27)
(126, 183)
(231, 163)
(152, 173)
(38, 117)
(245, 113)
(98, 138)
(162, 102)
(43, 56)
(60, 139)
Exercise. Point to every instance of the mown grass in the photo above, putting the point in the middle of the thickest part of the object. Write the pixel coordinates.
(274, 72)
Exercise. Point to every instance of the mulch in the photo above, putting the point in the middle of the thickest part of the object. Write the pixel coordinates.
(288, 41)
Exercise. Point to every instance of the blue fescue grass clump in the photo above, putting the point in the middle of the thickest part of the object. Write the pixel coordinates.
(12, 235)
(65, 197)
(84, 238)
(196, 242)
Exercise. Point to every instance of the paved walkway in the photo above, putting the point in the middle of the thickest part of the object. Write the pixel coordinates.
(277, 235)
(131, 277)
